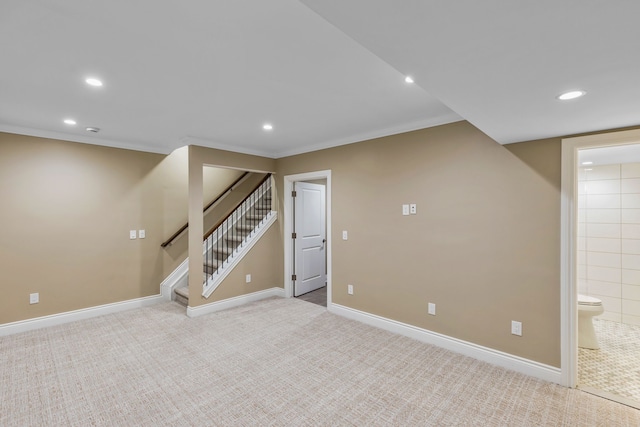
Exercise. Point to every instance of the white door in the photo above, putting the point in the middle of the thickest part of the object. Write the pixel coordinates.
(309, 244)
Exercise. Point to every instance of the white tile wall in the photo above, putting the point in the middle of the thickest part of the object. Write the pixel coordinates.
(630, 185)
(630, 246)
(631, 262)
(609, 216)
(610, 186)
(604, 274)
(631, 292)
(630, 231)
(597, 244)
(596, 173)
(604, 259)
(629, 216)
(609, 231)
(631, 277)
(604, 201)
(630, 170)
(609, 239)
(629, 201)
(630, 320)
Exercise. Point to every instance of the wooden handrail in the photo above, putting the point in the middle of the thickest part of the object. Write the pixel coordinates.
(224, 218)
(170, 240)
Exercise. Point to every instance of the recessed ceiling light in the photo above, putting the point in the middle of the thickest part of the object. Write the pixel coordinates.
(571, 95)
(408, 79)
(70, 121)
(267, 126)
(586, 163)
(93, 82)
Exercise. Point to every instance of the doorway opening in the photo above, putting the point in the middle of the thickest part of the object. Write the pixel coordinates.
(601, 265)
(301, 256)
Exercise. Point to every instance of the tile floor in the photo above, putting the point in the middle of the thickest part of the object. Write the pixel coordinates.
(615, 367)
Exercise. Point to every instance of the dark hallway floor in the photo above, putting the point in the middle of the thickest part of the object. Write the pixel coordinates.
(319, 296)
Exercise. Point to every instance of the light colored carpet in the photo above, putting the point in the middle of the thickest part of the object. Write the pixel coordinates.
(276, 362)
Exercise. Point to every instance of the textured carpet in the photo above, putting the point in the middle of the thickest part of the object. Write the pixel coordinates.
(271, 363)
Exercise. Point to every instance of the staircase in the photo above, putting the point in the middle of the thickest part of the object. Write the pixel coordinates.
(227, 242)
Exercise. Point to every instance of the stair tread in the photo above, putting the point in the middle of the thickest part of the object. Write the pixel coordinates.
(212, 262)
(183, 292)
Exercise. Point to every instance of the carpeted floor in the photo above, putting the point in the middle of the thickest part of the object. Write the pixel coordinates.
(277, 362)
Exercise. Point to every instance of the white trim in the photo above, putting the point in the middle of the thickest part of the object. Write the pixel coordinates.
(85, 139)
(178, 277)
(75, 315)
(379, 133)
(288, 228)
(568, 243)
(495, 357)
(238, 254)
(234, 302)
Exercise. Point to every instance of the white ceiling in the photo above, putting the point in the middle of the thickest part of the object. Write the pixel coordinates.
(323, 72)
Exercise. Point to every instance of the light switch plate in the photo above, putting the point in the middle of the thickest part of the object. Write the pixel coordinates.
(405, 209)
(132, 234)
(34, 298)
(142, 234)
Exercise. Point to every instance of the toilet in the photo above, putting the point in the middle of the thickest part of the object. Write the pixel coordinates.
(587, 308)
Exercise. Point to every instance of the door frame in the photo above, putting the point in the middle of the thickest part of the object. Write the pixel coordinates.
(568, 244)
(289, 180)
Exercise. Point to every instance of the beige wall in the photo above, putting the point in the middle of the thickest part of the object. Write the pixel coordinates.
(67, 209)
(198, 158)
(484, 246)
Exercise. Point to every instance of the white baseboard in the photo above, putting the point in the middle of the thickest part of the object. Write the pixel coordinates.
(495, 357)
(234, 302)
(72, 316)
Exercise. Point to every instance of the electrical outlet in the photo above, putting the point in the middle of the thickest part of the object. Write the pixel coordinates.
(405, 209)
(248, 278)
(516, 328)
(345, 235)
(432, 309)
(132, 234)
(413, 209)
(142, 234)
(34, 298)
(350, 289)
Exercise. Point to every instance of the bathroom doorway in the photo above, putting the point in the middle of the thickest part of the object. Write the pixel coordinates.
(606, 265)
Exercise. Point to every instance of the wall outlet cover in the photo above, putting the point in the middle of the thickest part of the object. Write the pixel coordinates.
(350, 289)
(248, 278)
(516, 328)
(34, 298)
(432, 309)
